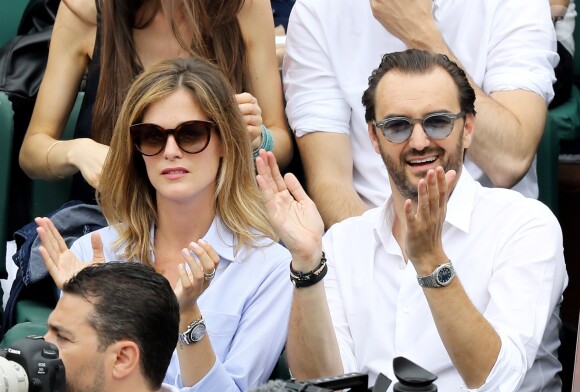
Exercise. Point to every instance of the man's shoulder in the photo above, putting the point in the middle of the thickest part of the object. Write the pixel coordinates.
(511, 204)
(357, 224)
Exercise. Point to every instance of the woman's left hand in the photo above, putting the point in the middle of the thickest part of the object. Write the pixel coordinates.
(252, 114)
(194, 280)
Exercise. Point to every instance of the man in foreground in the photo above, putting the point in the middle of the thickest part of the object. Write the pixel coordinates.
(116, 326)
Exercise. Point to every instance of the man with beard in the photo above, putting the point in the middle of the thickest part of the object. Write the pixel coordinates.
(116, 327)
(465, 281)
(507, 48)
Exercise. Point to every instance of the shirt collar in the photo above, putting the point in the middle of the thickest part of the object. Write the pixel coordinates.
(436, 9)
(219, 236)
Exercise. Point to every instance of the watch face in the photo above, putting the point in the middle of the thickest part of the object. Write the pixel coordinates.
(444, 275)
(197, 333)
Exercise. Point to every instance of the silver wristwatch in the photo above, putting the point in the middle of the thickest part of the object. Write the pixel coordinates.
(194, 332)
(442, 276)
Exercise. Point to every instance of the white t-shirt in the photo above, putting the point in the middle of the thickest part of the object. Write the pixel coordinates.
(332, 47)
(508, 255)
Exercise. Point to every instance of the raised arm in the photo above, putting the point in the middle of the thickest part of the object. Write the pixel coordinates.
(312, 346)
(72, 42)
(196, 359)
(509, 123)
(257, 25)
(470, 340)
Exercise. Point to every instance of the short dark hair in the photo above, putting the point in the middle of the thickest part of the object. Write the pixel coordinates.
(415, 61)
(131, 302)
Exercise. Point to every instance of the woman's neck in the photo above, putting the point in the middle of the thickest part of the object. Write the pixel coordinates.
(177, 226)
(180, 224)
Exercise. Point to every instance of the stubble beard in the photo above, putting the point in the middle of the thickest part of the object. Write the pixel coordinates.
(403, 182)
(95, 385)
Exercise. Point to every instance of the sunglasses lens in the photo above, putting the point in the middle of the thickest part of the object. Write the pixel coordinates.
(438, 126)
(397, 130)
(148, 138)
(193, 136)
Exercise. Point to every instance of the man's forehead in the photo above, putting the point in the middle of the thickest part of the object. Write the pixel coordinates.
(71, 311)
(399, 91)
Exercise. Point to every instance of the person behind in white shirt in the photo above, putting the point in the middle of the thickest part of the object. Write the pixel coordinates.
(507, 48)
(180, 193)
(109, 338)
(465, 281)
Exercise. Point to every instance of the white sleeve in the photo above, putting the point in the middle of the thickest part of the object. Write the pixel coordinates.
(314, 101)
(522, 49)
(525, 291)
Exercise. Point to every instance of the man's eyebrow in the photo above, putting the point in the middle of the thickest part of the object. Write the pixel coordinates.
(59, 328)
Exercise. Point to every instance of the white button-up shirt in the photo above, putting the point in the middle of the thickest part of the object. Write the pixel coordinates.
(332, 47)
(507, 252)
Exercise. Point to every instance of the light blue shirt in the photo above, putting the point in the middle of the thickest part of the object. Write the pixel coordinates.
(246, 308)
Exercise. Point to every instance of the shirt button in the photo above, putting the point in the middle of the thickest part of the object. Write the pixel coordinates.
(406, 309)
(402, 266)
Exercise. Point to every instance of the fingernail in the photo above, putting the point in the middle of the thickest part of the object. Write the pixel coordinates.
(202, 242)
(194, 245)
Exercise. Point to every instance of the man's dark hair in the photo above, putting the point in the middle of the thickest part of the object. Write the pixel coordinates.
(419, 62)
(131, 302)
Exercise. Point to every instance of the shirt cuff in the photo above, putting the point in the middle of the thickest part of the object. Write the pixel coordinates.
(217, 379)
(508, 371)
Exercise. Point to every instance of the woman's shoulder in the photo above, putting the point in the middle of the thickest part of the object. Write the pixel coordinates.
(76, 26)
(253, 15)
(267, 252)
(84, 10)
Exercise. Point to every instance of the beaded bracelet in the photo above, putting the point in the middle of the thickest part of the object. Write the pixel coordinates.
(306, 279)
(267, 142)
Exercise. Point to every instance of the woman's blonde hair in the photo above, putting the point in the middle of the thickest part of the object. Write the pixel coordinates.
(125, 194)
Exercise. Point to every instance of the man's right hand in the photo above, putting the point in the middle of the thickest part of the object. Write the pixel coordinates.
(291, 213)
(404, 18)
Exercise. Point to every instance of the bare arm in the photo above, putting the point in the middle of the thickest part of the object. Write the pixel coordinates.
(312, 346)
(470, 340)
(257, 25)
(509, 123)
(558, 8)
(328, 162)
(72, 43)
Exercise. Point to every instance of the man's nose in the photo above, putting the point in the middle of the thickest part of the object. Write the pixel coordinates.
(419, 139)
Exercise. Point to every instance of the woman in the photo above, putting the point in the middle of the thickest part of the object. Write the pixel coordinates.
(116, 40)
(178, 178)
